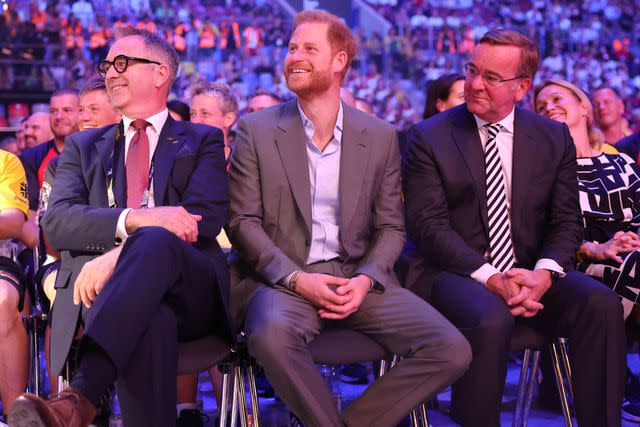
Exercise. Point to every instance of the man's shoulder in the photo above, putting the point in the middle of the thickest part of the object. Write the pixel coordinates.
(35, 154)
(632, 140)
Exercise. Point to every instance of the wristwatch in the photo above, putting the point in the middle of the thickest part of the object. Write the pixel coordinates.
(555, 276)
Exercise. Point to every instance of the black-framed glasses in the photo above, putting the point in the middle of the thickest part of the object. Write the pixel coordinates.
(120, 64)
(471, 72)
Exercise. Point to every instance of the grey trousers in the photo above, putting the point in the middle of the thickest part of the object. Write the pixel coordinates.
(280, 324)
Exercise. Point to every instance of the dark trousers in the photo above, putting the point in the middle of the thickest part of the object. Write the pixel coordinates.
(576, 307)
(280, 324)
(161, 292)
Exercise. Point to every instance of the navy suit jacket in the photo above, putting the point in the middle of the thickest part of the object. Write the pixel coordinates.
(189, 171)
(445, 193)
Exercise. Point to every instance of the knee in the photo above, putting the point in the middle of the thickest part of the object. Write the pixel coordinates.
(494, 323)
(9, 315)
(460, 356)
(273, 338)
(157, 238)
(601, 303)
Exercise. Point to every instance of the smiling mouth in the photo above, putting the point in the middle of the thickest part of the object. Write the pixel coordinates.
(298, 71)
(116, 88)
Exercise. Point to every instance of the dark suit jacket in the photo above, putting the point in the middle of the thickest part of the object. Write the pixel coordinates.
(32, 160)
(189, 172)
(445, 192)
(270, 211)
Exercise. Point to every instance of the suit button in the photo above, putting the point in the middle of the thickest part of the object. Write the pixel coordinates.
(483, 249)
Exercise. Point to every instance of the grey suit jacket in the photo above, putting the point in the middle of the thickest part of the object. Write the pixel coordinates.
(270, 211)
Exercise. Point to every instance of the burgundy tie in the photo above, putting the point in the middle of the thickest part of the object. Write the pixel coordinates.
(137, 164)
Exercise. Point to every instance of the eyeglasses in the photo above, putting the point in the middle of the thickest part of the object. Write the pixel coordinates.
(120, 64)
(471, 72)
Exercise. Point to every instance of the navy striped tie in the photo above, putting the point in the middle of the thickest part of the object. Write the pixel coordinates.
(500, 245)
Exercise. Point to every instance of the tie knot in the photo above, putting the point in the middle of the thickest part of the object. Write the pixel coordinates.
(140, 124)
(493, 128)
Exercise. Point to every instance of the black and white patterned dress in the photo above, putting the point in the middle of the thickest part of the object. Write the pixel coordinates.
(609, 187)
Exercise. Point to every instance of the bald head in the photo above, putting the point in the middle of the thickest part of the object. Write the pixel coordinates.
(37, 129)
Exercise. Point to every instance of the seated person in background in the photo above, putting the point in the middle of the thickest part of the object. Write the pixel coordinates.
(609, 186)
(316, 225)
(14, 360)
(493, 210)
(262, 99)
(443, 93)
(178, 110)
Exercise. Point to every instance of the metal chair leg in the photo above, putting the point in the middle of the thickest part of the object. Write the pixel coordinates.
(225, 394)
(35, 356)
(414, 418)
(234, 403)
(564, 358)
(253, 393)
(383, 368)
(423, 413)
(242, 398)
(533, 371)
(566, 411)
(517, 414)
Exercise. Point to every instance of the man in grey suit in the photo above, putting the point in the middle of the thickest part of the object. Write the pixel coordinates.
(316, 225)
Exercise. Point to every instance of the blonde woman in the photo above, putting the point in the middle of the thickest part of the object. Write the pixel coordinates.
(609, 186)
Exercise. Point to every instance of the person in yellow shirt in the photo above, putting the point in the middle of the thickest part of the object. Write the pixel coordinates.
(13, 338)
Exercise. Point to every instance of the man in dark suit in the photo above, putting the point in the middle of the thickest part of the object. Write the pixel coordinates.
(316, 226)
(135, 211)
(492, 208)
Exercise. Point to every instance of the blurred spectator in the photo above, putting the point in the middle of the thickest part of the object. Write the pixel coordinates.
(262, 99)
(179, 110)
(444, 93)
(609, 110)
(95, 109)
(37, 129)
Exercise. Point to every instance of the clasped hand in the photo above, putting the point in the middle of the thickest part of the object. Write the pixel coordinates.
(335, 297)
(521, 289)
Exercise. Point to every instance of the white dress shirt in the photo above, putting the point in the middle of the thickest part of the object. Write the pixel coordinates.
(504, 141)
(157, 122)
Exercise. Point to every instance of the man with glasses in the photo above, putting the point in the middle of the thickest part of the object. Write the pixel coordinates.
(492, 210)
(135, 211)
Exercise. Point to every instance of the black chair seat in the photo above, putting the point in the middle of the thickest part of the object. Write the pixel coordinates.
(200, 355)
(342, 346)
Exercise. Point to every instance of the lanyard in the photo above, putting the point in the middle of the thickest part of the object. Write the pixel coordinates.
(144, 200)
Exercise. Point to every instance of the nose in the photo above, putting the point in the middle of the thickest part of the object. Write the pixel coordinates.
(477, 82)
(111, 72)
(195, 119)
(83, 116)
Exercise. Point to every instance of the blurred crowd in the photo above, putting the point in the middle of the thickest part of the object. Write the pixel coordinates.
(54, 44)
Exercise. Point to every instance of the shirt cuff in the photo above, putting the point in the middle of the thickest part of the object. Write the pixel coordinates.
(483, 274)
(121, 229)
(549, 264)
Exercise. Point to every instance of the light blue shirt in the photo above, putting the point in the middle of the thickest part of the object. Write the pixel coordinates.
(324, 176)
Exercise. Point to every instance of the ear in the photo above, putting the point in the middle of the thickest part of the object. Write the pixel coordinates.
(439, 105)
(339, 61)
(229, 119)
(161, 75)
(523, 87)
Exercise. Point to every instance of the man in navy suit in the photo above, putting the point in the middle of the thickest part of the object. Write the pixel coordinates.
(492, 208)
(135, 211)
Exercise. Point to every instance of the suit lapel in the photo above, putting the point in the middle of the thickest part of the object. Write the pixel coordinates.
(353, 163)
(169, 142)
(109, 148)
(524, 155)
(466, 136)
(290, 141)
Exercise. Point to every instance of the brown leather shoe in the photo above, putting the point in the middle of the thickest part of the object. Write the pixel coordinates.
(66, 409)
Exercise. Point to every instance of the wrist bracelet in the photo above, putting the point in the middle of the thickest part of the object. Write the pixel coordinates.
(293, 280)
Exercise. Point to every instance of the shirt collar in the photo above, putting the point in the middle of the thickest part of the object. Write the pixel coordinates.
(157, 121)
(309, 129)
(506, 123)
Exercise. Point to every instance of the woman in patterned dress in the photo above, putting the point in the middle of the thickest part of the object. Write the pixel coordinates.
(609, 188)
